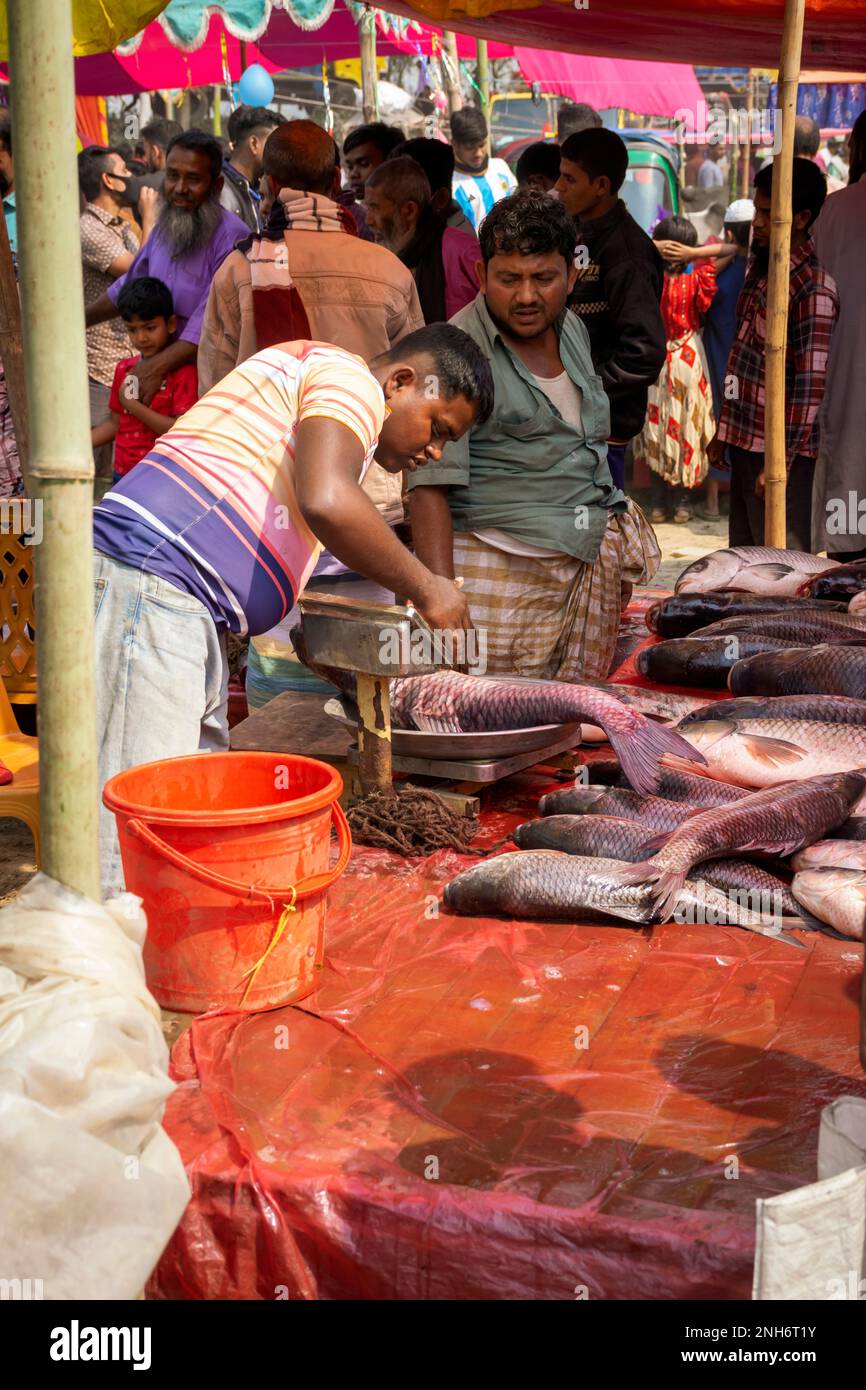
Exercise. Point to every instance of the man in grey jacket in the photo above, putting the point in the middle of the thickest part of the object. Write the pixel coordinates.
(249, 128)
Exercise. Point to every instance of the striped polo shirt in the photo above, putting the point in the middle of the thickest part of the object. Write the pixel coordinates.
(212, 508)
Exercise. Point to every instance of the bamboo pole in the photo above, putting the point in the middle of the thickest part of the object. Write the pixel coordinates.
(217, 109)
(12, 349)
(482, 76)
(61, 459)
(369, 73)
(451, 72)
(779, 279)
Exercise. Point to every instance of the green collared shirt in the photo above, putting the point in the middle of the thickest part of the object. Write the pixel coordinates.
(527, 471)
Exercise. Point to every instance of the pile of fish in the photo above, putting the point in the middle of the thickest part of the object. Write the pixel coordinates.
(777, 813)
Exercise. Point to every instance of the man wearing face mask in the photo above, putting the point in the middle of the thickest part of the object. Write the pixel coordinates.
(108, 248)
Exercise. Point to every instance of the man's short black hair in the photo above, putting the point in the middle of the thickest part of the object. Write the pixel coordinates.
(527, 223)
(575, 116)
(740, 231)
(468, 126)
(600, 153)
(145, 298)
(161, 133)
(435, 157)
(6, 131)
(201, 143)
(245, 119)
(457, 361)
(384, 137)
(92, 164)
(808, 188)
(540, 158)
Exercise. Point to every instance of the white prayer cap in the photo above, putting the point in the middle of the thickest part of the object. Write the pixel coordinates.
(743, 210)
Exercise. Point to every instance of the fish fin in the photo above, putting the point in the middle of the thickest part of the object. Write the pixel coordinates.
(771, 570)
(775, 752)
(668, 885)
(640, 753)
(435, 724)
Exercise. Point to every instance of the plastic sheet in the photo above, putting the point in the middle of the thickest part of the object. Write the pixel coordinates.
(478, 1108)
(90, 1187)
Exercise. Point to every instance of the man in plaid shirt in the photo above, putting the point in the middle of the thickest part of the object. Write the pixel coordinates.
(813, 307)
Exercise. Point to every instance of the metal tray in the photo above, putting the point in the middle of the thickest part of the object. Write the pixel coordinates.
(417, 743)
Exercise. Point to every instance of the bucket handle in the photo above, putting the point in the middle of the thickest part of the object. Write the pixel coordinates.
(250, 891)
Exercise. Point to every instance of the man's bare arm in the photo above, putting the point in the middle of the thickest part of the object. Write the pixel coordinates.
(100, 311)
(328, 460)
(432, 533)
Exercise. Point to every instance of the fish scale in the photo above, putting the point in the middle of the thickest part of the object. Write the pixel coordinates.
(653, 812)
(800, 628)
(778, 820)
(763, 752)
(829, 709)
(452, 702)
(816, 670)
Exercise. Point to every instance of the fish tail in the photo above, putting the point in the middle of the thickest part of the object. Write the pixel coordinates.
(641, 750)
(668, 884)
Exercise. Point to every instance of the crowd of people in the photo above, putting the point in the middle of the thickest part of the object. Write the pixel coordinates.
(381, 369)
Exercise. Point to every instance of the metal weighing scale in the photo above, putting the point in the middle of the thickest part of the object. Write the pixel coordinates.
(375, 643)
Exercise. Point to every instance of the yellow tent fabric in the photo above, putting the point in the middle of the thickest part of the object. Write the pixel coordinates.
(97, 25)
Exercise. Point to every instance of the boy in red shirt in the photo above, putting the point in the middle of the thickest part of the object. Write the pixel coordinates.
(147, 308)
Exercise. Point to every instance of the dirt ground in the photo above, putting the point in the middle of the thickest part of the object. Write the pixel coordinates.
(680, 545)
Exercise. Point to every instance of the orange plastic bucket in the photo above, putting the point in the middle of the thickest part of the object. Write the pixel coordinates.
(230, 853)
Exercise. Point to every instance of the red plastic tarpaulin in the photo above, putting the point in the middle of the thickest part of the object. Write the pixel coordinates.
(478, 1108)
(744, 33)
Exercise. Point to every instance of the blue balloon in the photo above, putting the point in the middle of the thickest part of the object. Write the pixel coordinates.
(256, 87)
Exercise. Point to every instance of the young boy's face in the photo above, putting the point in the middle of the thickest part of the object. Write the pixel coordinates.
(150, 336)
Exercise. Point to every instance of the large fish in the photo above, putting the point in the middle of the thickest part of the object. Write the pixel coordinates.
(797, 629)
(605, 837)
(451, 702)
(679, 615)
(552, 887)
(829, 709)
(694, 789)
(777, 820)
(824, 854)
(652, 811)
(835, 580)
(835, 896)
(751, 569)
(857, 606)
(764, 752)
(821, 670)
(701, 661)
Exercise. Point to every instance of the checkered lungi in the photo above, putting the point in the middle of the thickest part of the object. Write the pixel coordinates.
(555, 618)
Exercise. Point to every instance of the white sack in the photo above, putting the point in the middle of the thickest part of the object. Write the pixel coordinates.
(91, 1188)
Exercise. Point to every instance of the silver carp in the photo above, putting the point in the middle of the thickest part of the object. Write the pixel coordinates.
(765, 752)
(828, 854)
(753, 569)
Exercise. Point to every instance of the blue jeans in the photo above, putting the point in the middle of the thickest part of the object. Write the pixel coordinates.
(161, 682)
(616, 463)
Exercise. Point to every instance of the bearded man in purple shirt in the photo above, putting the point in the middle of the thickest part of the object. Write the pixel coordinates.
(191, 239)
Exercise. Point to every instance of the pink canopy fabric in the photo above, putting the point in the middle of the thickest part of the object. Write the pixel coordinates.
(653, 89)
(157, 64)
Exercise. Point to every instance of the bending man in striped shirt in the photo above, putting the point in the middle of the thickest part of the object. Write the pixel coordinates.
(219, 527)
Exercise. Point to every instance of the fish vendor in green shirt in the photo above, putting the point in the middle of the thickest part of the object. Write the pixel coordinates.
(524, 508)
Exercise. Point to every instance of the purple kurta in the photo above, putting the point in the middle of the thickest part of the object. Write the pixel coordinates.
(188, 277)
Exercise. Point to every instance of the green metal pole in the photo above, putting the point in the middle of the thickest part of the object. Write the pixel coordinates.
(61, 459)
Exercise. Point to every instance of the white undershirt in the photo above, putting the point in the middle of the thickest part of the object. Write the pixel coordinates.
(568, 399)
